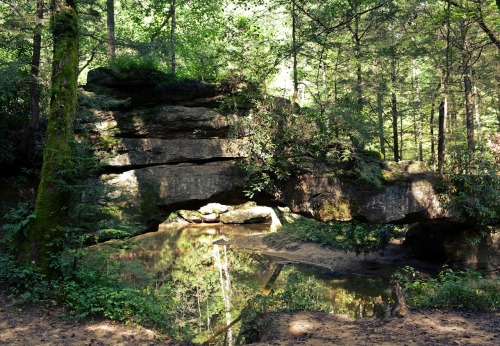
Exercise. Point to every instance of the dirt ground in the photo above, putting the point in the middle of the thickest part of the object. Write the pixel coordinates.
(42, 326)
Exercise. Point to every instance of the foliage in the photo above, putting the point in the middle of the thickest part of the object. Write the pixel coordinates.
(300, 292)
(89, 293)
(16, 222)
(14, 109)
(134, 62)
(287, 140)
(473, 189)
(28, 284)
(348, 236)
(454, 289)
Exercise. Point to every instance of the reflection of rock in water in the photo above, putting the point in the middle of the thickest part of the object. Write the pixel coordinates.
(213, 282)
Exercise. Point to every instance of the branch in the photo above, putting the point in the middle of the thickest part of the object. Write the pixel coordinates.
(326, 31)
(478, 17)
(92, 55)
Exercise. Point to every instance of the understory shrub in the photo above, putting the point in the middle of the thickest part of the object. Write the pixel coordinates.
(453, 289)
(348, 236)
(300, 293)
(104, 296)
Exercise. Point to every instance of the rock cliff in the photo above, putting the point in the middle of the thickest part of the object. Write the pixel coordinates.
(172, 145)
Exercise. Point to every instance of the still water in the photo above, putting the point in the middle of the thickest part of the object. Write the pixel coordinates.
(214, 283)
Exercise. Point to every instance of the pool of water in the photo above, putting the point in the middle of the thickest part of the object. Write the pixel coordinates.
(215, 283)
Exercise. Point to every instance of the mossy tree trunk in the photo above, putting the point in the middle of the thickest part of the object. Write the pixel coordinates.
(45, 233)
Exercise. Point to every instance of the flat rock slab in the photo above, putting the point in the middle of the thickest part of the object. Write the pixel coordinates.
(168, 121)
(249, 215)
(154, 151)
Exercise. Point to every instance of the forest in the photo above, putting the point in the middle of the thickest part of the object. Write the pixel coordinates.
(352, 89)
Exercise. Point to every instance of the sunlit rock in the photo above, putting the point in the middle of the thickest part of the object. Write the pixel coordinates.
(248, 215)
(329, 198)
(133, 152)
(214, 208)
(164, 121)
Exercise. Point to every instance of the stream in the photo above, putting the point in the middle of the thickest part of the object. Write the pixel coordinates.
(214, 283)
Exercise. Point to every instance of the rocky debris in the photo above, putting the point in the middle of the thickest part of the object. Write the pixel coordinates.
(214, 208)
(193, 216)
(239, 214)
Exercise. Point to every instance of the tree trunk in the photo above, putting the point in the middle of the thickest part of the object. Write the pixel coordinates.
(476, 114)
(441, 136)
(28, 140)
(469, 115)
(418, 125)
(380, 115)
(433, 145)
(173, 61)
(394, 110)
(469, 105)
(498, 91)
(357, 56)
(110, 10)
(443, 107)
(294, 55)
(44, 235)
(399, 308)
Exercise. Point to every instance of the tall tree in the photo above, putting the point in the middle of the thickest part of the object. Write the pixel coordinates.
(173, 61)
(27, 142)
(443, 107)
(44, 235)
(294, 55)
(466, 72)
(110, 11)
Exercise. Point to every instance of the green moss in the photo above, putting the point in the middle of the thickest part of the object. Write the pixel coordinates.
(45, 235)
(390, 177)
(335, 211)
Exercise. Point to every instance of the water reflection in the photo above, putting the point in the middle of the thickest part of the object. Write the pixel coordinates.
(214, 283)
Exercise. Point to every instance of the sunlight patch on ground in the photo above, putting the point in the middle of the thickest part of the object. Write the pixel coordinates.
(444, 328)
(300, 327)
(103, 327)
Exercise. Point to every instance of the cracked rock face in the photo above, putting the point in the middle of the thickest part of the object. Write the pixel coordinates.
(168, 152)
(330, 199)
(171, 146)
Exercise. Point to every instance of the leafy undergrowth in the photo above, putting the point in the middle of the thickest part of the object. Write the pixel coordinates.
(89, 295)
(467, 290)
(348, 236)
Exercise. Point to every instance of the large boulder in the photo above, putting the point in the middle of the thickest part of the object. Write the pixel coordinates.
(247, 215)
(329, 198)
(468, 249)
(455, 243)
(144, 190)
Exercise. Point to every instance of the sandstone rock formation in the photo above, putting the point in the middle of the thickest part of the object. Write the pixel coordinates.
(329, 198)
(170, 146)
